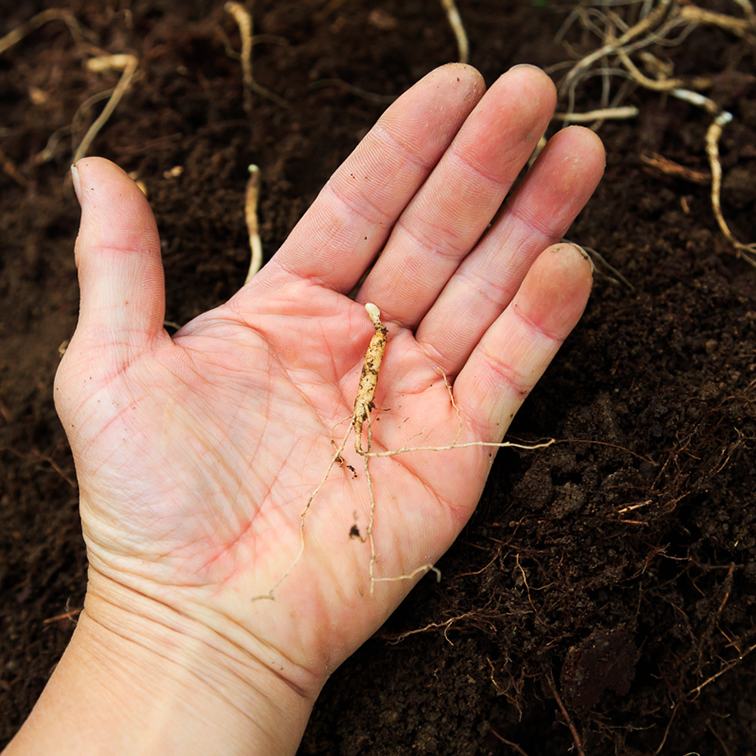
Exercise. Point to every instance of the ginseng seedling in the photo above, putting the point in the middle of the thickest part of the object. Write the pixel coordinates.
(363, 403)
(360, 418)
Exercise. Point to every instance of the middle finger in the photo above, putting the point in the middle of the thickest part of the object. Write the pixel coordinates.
(454, 206)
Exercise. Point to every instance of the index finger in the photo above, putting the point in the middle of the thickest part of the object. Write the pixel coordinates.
(349, 222)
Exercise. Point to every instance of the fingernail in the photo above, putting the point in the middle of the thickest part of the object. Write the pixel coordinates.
(525, 65)
(76, 182)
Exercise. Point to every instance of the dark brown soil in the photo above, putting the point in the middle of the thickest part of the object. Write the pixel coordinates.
(614, 572)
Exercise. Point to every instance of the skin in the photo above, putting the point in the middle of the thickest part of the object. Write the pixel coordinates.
(196, 454)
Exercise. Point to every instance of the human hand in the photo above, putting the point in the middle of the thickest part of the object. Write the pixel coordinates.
(196, 454)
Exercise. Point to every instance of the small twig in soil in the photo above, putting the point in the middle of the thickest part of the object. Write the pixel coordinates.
(565, 714)
(5, 413)
(69, 614)
(719, 739)
(527, 589)
(482, 569)
(394, 639)
(507, 742)
(55, 466)
(728, 590)
(633, 507)
(492, 677)
(727, 667)
(251, 198)
(123, 62)
(666, 730)
(455, 21)
(670, 168)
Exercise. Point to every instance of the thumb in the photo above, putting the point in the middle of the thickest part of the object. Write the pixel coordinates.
(118, 257)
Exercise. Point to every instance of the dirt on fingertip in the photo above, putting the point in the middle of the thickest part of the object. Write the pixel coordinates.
(602, 598)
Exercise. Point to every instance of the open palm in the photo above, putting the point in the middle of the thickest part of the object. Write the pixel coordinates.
(197, 454)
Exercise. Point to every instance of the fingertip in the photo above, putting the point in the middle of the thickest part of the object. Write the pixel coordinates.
(516, 350)
(92, 174)
(590, 144)
(115, 212)
(117, 254)
(562, 179)
(572, 260)
(461, 72)
(582, 152)
(455, 87)
(584, 254)
(534, 80)
(556, 290)
(529, 69)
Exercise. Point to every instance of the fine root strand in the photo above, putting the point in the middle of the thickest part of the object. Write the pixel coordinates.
(78, 32)
(727, 667)
(243, 20)
(83, 38)
(622, 55)
(573, 730)
(602, 114)
(746, 251)
(395, 639)
(251, 199)
(123, 62)
(455, 21)
(271, 594)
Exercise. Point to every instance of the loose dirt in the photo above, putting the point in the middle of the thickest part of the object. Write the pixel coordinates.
(610, 578)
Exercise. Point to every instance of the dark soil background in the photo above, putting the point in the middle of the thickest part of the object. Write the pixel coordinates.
(611, 577)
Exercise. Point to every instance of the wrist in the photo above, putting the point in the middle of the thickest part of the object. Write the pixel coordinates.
(150, 680)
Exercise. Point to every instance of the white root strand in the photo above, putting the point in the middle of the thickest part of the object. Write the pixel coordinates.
(252, 196)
